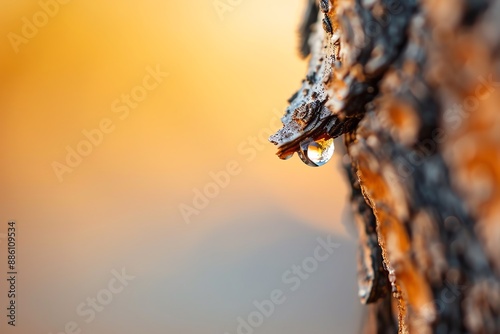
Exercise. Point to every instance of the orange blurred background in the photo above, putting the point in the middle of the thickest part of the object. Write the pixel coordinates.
(229, 75)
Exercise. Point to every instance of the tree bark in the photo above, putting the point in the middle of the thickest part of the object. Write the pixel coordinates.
(414, 89)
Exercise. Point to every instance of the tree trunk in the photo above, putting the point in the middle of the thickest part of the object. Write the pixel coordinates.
(413, 88)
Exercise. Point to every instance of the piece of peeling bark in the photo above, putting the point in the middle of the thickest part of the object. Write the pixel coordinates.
(414, 89)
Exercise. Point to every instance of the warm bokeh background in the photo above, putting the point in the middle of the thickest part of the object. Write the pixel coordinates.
(120, 207)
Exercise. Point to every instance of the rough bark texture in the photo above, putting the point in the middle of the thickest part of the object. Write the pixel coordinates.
(414, 89)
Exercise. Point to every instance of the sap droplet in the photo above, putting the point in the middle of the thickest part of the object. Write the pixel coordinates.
(316, 153)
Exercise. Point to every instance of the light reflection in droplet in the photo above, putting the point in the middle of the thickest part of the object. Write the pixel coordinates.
(316, 153)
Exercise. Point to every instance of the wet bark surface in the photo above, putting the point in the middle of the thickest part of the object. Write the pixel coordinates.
(413, 87)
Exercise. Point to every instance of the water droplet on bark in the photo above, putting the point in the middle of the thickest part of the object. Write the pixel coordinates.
(316, 153)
